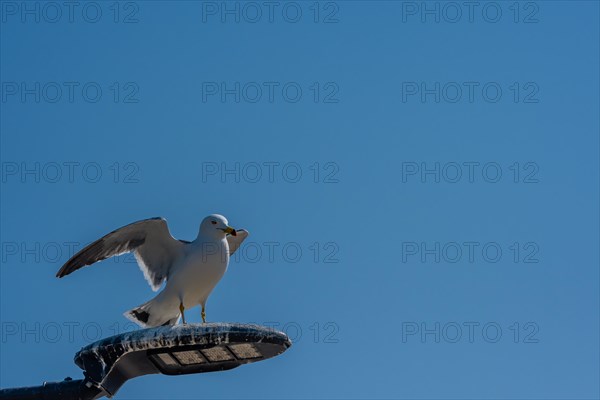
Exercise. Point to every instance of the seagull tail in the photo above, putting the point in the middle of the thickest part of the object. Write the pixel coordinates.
(151, 314)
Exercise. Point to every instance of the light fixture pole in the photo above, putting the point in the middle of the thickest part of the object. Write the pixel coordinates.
(174, 350)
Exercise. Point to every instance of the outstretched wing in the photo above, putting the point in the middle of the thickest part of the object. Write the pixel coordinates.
(150, 241)
(236, 241)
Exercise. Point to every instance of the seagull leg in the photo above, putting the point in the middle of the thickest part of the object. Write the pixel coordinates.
(203, 315)
(181, 308)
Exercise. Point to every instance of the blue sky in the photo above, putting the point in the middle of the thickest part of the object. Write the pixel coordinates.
(420, 183)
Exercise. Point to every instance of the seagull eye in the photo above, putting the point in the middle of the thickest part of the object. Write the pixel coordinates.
(213, 222)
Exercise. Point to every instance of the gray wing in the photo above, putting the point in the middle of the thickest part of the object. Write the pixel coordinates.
(236, 241)
(150, 241)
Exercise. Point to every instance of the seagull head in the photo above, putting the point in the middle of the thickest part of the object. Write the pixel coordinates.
(216, 225)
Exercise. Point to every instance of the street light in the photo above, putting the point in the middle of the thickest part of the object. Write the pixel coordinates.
(169, 350)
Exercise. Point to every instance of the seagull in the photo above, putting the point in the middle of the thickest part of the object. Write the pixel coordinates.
(191, 269)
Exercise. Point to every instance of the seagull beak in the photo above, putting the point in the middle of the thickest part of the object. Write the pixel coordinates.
(230, 231)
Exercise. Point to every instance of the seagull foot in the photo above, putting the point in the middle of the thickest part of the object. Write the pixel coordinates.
(181, 309)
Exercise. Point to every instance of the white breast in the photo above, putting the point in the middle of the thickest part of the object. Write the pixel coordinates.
(199, 272)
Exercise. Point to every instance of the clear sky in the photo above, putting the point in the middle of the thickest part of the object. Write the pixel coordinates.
(420, 182)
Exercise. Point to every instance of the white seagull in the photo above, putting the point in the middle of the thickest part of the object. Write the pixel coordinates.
(191, 269)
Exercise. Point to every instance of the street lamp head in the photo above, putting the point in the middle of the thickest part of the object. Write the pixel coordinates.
(176, 350)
